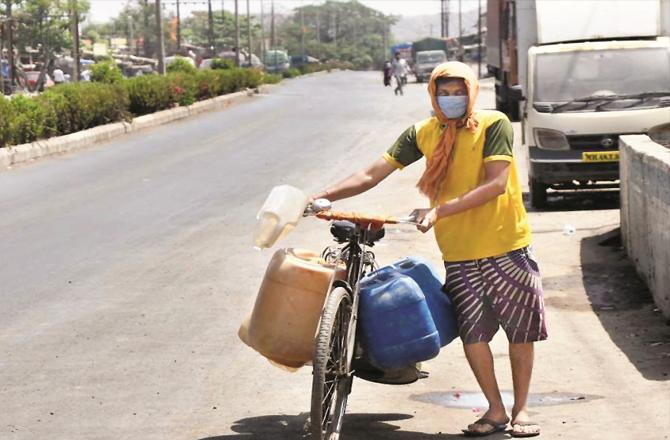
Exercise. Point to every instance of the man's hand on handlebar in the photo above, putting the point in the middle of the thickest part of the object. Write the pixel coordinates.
(316, 206)
(425, 218)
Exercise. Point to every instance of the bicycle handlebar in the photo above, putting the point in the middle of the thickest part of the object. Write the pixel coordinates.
(361, 219)
(354, 217)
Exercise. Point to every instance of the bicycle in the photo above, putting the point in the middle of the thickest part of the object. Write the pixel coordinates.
(336, 342)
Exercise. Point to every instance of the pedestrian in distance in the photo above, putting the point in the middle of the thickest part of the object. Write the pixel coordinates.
(481, 227)
(400, 68)
(388, 73)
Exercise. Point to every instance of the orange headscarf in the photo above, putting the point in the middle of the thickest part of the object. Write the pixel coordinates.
(437, 163)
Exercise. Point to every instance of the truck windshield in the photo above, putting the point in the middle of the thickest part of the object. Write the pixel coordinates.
(561, 77)
(435, 57)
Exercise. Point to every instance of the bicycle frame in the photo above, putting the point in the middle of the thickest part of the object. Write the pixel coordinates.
(357, 259)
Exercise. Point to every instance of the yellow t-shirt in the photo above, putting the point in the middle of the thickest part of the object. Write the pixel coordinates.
(497, 227)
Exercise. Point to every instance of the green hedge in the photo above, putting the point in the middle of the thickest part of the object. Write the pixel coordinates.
(69, 108)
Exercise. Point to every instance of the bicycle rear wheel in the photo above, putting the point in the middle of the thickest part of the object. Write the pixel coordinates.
(331, 381)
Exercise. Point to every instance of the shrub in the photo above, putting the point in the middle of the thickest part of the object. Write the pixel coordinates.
(106, 72)
(91, 104)
(28, 122)
(6, 118)
(291, 73)
(253, 78)
(180, 64)
(220, 63)
(208, 84)
(57, 113)
(184, 87)
(149, 94)
(271, 78)
(68, 108)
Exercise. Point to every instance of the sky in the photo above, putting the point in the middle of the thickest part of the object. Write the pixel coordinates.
(103, 10)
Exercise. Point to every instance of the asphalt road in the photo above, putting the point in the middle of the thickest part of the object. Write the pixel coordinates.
(126, 269)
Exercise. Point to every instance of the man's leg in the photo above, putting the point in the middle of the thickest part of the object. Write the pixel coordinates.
(521, 358)
(476, 326)
(519, 307)
(480, 359)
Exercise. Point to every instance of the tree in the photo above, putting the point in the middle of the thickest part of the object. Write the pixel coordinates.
(44, 25)
(347, 31)
(136, 22)
(195, 30)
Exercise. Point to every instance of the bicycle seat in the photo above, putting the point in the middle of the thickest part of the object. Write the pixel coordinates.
(343, 229)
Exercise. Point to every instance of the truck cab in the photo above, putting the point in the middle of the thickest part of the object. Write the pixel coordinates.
(426, 61)
(580, 98)
(579, 74)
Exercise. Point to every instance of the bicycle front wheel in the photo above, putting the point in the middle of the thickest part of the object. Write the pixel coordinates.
(331, 381)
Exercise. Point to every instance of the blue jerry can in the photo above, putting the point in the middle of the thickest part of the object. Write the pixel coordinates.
(396, 325)
(430, 283)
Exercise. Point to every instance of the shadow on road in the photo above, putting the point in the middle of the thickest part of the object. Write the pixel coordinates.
(624, 305)
(356, 427)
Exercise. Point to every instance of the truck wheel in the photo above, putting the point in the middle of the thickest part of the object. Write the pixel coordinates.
(538, 193)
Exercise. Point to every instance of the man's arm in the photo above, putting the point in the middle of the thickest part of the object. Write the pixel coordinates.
(494, 185)
(358, 182)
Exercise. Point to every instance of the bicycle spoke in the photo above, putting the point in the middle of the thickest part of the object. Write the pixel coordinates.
(329, 402)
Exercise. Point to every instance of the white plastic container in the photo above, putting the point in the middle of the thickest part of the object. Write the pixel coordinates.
(279, 214)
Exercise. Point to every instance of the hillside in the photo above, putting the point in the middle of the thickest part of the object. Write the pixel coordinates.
(412, 28)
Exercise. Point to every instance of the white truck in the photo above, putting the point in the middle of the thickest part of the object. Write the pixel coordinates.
(578, 74)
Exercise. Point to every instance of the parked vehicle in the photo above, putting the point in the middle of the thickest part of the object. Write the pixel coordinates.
(298, 61)
(276, 61)
(32, 79)
(577, 88)
(429, 44)
(170, 60)
(426, 61)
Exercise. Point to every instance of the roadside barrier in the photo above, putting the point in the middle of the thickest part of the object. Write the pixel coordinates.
(645, 212)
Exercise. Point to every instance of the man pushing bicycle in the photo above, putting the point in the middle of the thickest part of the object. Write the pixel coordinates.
(477, 213)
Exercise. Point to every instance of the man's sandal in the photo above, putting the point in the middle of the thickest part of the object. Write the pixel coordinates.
(495, 427)
(519, 434)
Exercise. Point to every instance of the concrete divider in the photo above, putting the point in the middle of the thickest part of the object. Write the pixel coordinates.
(645, 212)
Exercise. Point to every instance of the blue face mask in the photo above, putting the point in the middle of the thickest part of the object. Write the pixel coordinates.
(453, 107)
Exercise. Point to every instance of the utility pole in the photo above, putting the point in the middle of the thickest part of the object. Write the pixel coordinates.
(237, 34)
(178, 28)
(335, 27)
(223, 21)
(302, 31)
(262, 32)
(272, 26)
(161, 42)
(132, 44)
(442, 18)
(446, 18)
(74, 14)
(210, 27)
(460, 30)
(145, 42)
(479, 40)
(248, 34)
(10, 51)
(318, 27)
(385, 40)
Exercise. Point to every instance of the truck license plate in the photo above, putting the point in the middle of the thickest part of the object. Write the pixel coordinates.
(600, 156)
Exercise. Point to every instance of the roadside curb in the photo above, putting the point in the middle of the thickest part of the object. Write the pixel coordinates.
(18, 154)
